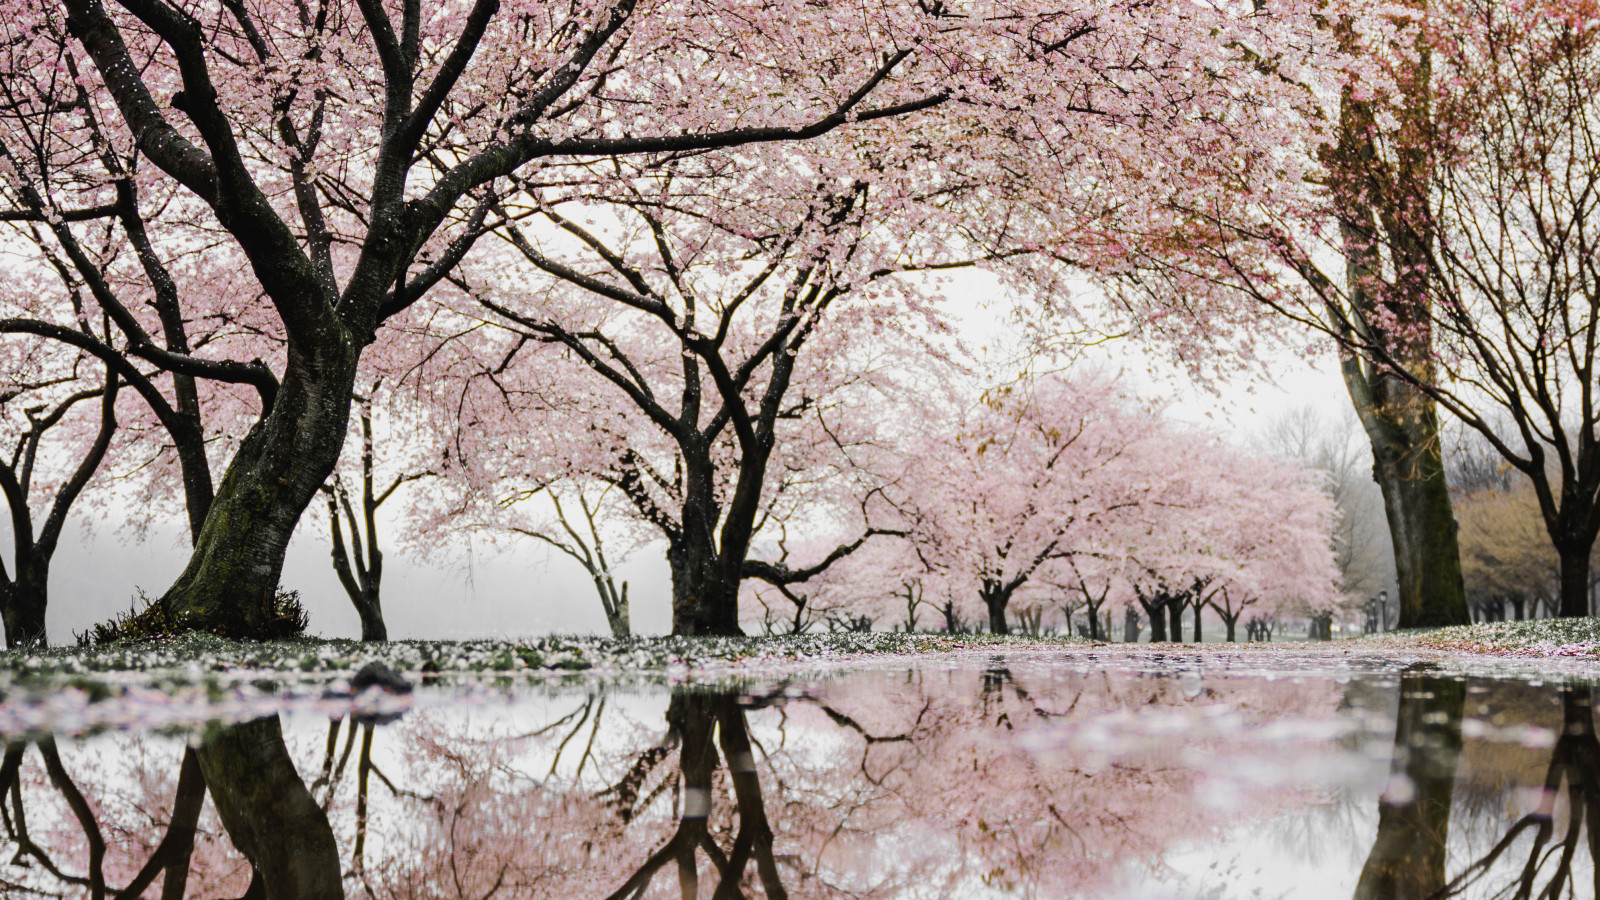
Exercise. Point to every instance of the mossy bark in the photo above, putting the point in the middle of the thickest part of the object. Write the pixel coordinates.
(1386, 324)
(232, 576)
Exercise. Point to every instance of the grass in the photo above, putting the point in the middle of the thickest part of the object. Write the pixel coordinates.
(1531, 638)
(198, 653)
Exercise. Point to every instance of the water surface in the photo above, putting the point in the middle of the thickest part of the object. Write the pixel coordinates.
(1068, 775)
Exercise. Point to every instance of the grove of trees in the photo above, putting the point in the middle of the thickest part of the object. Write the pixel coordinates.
(690, 269)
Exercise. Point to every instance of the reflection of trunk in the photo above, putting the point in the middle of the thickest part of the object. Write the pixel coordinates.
(268, 812)
(694, 719)
(1575, 759)
(1407, 858)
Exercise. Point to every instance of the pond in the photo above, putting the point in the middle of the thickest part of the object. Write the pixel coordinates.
(1131, 775)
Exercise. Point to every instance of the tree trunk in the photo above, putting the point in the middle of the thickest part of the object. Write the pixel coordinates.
(996, 599)
(702, 600)
(1198, 609)
(24, 601)
(1416, 501)
(1130, 625)
(620, 621)
(1408, 855)
(369, 607)
(1574, 581)
(1158, 621)
(1401, 422)
(231, 581)
(707, 554)
(1175, 619)
(268, 812)
(1230, 622)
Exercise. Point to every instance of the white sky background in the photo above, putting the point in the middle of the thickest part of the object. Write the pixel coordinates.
(520, 589)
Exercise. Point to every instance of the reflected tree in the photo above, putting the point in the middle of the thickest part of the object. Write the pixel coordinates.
(699, 723)
(171, 855)
(264, 806)
(1407, 861)
(1547, 862)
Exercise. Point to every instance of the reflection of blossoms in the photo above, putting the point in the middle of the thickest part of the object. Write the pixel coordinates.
(886, 784)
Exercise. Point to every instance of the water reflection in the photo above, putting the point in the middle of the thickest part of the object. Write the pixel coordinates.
(1013, 779)
(1408, 856)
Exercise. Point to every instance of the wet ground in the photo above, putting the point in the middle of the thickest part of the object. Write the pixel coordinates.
(1071, 773)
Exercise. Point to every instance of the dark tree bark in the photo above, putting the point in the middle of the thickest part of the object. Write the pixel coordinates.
(269, 813)
(1157, 612)
(1408, 856)
(995, 599)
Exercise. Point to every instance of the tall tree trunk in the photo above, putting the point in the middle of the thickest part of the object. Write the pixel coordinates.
(1416, 500)
(1408, 856)
(269, 813)
(231, 581)
(1175, 619)
(1379, 211)
(1198, 609)
(1230, 622)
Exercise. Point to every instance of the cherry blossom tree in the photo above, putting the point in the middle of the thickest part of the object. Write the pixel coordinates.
(1034, 474)
(342, 213)
(308, 183)
(1249, 251)
(1236, 530)
(379, 473)
(45, 399)
(730, 377)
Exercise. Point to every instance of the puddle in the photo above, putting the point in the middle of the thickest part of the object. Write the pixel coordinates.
(987, 776)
